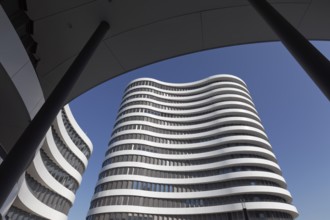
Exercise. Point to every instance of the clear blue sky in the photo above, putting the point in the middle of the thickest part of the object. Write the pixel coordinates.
(294, 112)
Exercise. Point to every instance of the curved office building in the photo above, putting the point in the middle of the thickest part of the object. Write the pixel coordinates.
(50, 183)
(190, 151)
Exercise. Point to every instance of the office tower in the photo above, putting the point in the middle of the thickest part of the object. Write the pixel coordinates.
(47, 190)
(190, 151)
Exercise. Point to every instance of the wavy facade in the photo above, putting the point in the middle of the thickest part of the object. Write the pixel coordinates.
(47, 191)
(192, 151)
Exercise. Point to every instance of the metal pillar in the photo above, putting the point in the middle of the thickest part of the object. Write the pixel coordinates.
(245, 213)
(314, 63)
(246, 216)
(21, 155)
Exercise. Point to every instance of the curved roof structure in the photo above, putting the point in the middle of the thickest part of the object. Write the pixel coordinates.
(142, 32)
(146, 31)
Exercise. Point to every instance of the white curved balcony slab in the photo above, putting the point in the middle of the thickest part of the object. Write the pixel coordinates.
(224, 140)
(227, 130)
(194, 105)
(57, 157)
(230, 111)
(61, 130)
(222, 164)
(221, 152)
(215, 78)
(216, 88)
(77, 128)
(40, 173)
(232, 191)
(33, 205)
(216, 122)
(235, 207)
(223, 104)
(201, 180)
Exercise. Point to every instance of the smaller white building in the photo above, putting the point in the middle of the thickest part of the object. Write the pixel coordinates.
(47, 189)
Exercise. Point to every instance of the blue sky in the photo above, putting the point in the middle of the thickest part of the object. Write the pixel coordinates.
(294, 112)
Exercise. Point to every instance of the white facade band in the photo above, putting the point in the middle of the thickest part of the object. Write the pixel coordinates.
(189, 151)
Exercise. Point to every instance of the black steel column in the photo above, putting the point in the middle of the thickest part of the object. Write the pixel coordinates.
(245, 213)
(21, 155)
(246, 216)
(315, 64)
